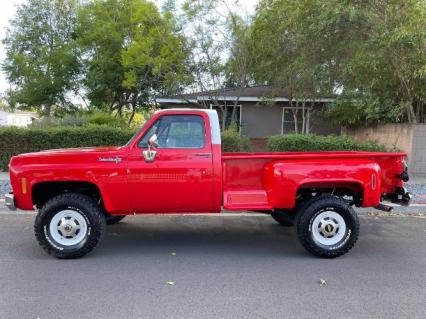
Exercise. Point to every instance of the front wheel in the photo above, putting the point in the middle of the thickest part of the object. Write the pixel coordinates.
(327, 226)
(69, 226)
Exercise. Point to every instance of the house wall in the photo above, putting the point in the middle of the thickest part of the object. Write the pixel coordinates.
(260, 121)
(263, 121)
(409, 138)
(3, 118)
(16, 118)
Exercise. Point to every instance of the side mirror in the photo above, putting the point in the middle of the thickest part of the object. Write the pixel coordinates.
(153, 141)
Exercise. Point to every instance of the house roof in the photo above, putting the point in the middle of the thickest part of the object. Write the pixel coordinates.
(250, 94)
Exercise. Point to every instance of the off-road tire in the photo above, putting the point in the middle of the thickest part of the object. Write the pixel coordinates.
(86, 207)
(111, 219)
(312, 209)
(285, 219)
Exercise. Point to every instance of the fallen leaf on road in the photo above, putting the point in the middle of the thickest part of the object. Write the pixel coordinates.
(170, 283)
(322, 282)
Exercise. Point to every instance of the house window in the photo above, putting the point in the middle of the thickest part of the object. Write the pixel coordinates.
(295, 120)
(228, 115)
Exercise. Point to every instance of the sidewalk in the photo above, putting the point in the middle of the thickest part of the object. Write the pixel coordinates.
(4, 176)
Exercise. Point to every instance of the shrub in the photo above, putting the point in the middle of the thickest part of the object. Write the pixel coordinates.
(299, 142)
(22, 140)
(81, 119)
(103, 118)
(232, 141)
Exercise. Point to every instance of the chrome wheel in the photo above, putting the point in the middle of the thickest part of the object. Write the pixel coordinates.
(68, 228)
(328, 228)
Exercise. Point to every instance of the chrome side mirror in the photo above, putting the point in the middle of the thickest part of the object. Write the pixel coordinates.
(153, 141)
(149, 154)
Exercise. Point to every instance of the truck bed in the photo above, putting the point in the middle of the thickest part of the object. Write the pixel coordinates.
(249, 179)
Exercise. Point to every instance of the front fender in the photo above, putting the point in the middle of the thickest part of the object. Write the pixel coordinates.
(282, 179)
(109, 178)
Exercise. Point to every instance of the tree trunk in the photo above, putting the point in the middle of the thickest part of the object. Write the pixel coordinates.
(295, 111)
(47, 110)
(303, 117)
(132, 115)
(234, 112)
(410, 112)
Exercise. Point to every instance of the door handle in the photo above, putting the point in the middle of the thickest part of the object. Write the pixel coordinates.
(203, 154)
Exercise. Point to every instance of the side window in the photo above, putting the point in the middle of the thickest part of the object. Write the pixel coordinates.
(177, 131)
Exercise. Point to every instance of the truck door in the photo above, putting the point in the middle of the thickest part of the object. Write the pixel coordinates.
(179, 177)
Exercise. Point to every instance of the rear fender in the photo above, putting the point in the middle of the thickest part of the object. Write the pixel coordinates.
(282, 179)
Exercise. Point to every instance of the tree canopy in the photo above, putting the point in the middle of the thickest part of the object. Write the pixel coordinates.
(371, 54)
(41, 61)
(120, 55)
(131, 53)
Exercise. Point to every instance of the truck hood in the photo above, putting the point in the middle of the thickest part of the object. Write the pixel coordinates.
(73, 151)
(67, 155)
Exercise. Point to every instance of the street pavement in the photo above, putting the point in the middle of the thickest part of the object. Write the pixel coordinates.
(215, 267)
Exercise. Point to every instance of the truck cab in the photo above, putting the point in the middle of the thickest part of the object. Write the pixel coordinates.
(174, 164)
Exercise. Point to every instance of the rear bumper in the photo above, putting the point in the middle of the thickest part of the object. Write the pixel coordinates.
(10, 201)
(400, 197)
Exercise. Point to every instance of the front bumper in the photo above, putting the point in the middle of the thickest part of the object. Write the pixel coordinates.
(10, 201)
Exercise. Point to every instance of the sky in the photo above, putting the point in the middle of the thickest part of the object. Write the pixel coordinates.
(8, 9)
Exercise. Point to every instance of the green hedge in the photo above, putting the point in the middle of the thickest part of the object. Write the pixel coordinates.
(299, 143)
(234, 142)
(23, 140)
(15, 140)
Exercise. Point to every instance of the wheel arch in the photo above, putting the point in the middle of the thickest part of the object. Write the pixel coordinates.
(43, 191)
(339, 188)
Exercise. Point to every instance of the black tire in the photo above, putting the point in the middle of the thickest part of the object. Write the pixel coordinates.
(80, 205)
(305, 228)
(283, 218)
(111, 219)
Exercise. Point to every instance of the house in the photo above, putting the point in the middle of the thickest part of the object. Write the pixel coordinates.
(260, 111)
(17, 118)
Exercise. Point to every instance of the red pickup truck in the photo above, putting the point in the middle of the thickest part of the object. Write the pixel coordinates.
(175, 165)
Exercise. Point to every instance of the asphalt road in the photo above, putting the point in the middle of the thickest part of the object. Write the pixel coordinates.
(223, 267)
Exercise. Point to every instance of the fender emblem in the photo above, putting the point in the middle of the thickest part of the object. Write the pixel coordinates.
(116, 159)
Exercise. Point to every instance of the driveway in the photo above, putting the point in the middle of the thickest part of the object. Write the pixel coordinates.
(215, 267)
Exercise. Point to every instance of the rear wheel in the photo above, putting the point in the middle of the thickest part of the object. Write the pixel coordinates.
(111, 219)
(327, 226)
(69, 226)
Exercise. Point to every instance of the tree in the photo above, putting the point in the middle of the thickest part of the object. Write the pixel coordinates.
(131, 53)
(289, 60)
(372, 53)
(218, 37)
(41, 61)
